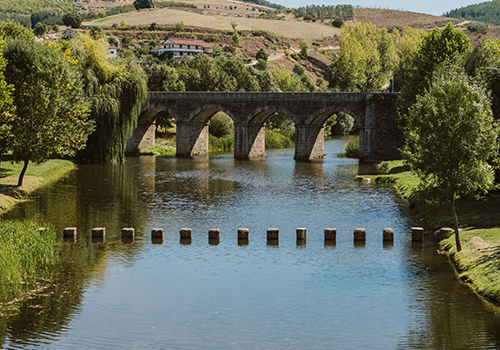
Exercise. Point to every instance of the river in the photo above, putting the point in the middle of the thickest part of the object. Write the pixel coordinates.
(241, 295)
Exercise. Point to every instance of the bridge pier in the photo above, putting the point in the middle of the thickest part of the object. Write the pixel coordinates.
(192, 139)
(309, 142)
(249, 141)
(142, 137)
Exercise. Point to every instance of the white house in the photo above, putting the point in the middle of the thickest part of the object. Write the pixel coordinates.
(73, 32)
(183, 47)
(113, 51)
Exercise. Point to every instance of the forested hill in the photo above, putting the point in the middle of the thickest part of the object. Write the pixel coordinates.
(486, 12)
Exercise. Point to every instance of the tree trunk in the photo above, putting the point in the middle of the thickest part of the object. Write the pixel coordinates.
(21, 176)
(455, 221)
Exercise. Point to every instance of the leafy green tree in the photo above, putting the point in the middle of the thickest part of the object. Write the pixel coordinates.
(11, 30)
(304, 48)
(438, 46)
(482, 65)
(51, 116)
(261, 64)
(40, 29)
(221, 125)
(116, 89)
(143, 4)
(236, 40)
(365, 60)
(450, 138)
(262, 54)
(72, 20)
(162, 77)
(407, 45)
(56, 28)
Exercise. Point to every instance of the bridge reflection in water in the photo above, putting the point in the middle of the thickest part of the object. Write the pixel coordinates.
(375, 113)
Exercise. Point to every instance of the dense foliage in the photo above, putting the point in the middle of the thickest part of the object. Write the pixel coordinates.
(451, 137)
(344, 12)
(486, 12)
(366, 58)
(51, 110)
(437, 47)
(116, 89)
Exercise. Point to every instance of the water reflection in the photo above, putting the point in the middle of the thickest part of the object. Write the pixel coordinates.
(284, 294)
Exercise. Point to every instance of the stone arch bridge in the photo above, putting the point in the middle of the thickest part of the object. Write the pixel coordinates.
(375, 113)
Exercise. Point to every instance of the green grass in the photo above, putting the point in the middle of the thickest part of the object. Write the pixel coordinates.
(478, 263)
(26, 254)
(36, 176)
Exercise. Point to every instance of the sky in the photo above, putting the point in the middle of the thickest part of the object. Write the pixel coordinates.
(432, 7)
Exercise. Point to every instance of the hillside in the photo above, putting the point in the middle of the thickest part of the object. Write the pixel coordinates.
(486, 12)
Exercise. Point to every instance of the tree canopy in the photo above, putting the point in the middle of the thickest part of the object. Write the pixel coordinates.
(437, 47)
(365, 60)
(51, 116)
(143, 4)
(451, 137)
(116, 89)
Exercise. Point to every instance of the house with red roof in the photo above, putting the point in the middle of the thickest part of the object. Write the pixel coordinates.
(183, 47)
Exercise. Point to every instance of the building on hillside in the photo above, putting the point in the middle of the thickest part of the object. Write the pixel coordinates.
(178, 47)
(73, 32)
(113, 51)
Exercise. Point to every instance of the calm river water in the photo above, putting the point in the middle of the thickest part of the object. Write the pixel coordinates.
(209, 295)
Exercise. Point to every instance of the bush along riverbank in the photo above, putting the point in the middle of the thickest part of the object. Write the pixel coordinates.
(478, 264)
(27, 255)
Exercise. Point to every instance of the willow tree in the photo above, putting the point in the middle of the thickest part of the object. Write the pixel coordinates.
(116, 89)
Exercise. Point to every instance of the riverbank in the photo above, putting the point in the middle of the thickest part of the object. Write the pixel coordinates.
(478, 264)
(37, 176)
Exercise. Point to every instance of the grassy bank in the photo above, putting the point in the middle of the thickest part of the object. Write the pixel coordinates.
(478, 264)
(36, 177)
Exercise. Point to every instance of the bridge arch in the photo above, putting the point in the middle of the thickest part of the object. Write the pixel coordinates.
(380, 137)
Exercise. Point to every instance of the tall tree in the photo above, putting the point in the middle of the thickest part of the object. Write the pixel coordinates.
(116, 89)
(437, 46)
(407, 45)
(51, 109)
(450, 138)
(72, 20)
(143, 4)
(365, 60)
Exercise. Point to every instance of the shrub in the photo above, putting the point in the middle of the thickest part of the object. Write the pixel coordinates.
(304, 48)
(295, 56)
(276, 139)
(262, 54)
(337, 22)
(298, 69)
(179, 26)
(235, 39)
(221, 125)
(225, 143)
(352, 148)
(261, 64)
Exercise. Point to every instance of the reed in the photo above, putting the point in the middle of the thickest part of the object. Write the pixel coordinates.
(26, 253)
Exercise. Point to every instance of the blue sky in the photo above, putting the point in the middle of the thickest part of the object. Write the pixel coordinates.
(432, 7)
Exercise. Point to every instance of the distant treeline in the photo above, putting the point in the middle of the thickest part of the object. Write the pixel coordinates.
(266, 3)
(486, 12)
(30, 12)
(321, 12)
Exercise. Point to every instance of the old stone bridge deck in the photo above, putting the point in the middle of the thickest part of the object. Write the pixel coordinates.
(375, 113)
